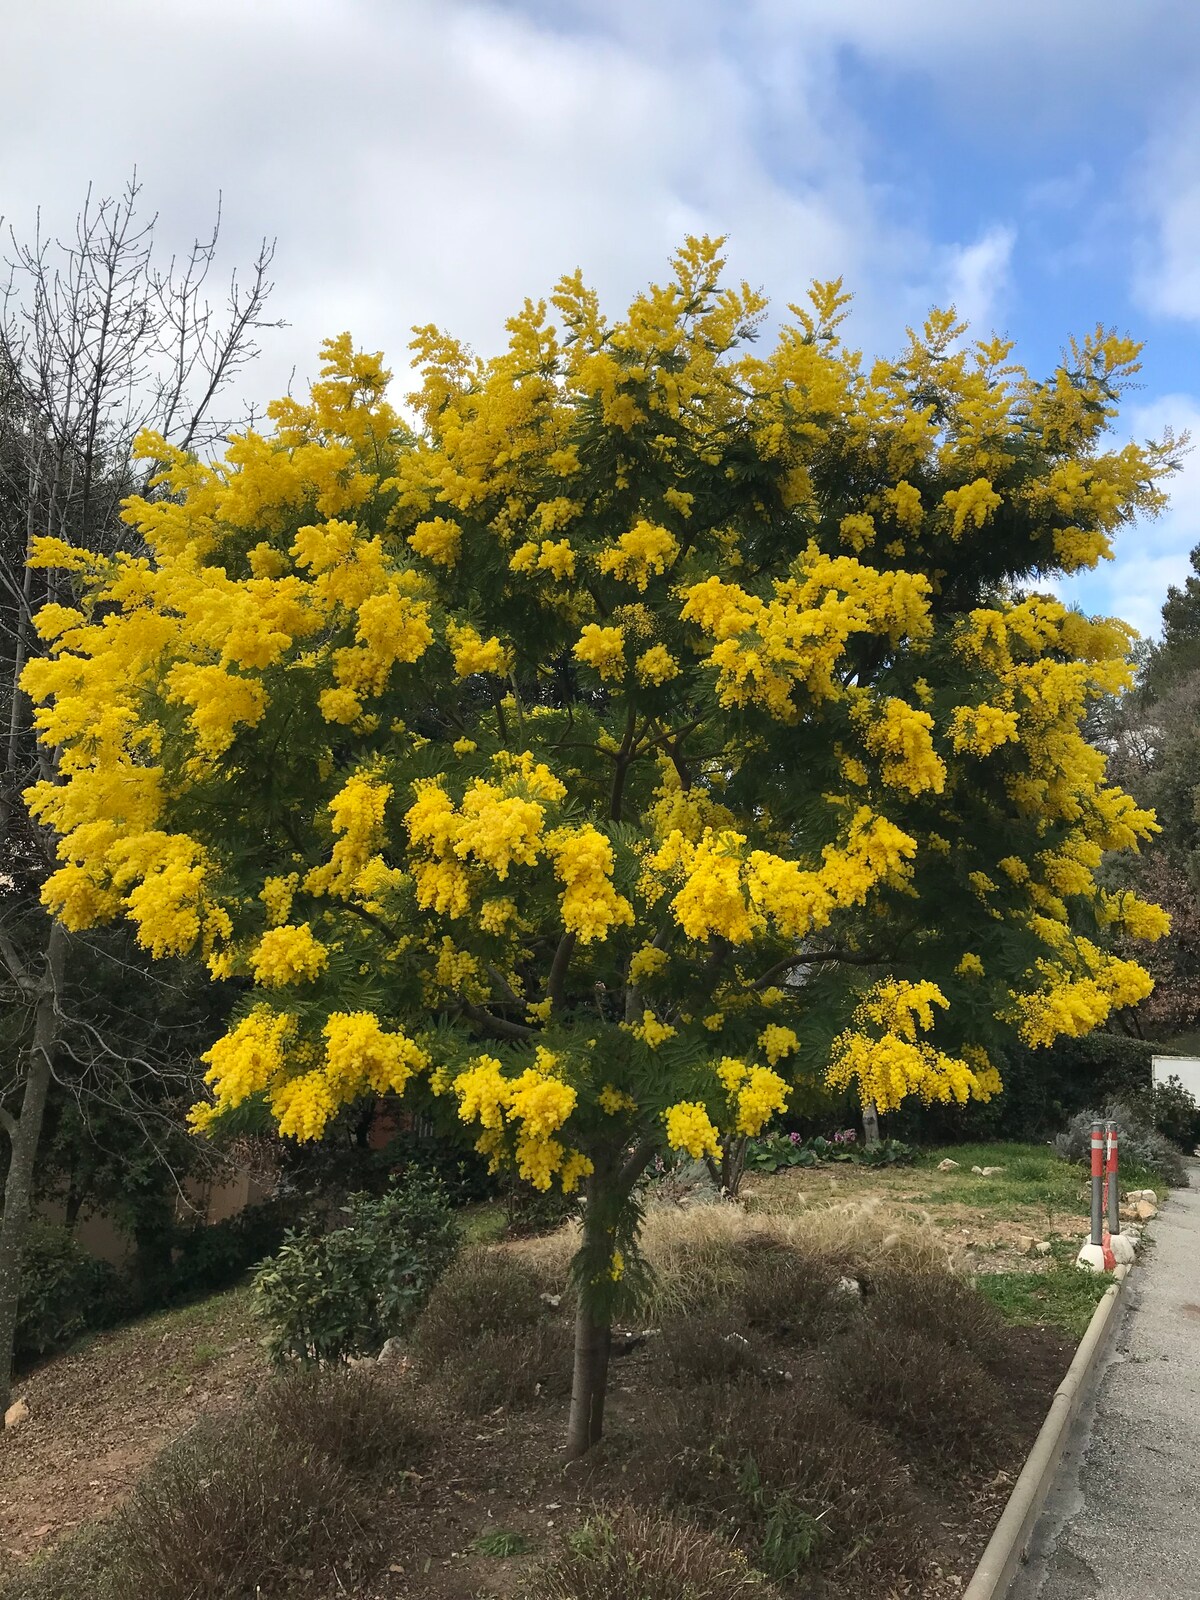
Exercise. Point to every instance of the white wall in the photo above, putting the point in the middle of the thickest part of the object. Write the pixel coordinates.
(1185, 1068)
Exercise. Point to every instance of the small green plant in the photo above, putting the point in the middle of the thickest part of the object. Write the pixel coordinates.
(328, 1296)
(790, 1534)
(888, 1153)
(503, 1542)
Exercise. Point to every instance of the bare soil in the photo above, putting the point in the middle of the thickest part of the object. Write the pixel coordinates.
(100, 1412)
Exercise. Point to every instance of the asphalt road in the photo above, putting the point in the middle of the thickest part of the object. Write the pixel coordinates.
(1123, 1519)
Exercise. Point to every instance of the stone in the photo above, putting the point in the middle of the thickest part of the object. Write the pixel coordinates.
(1091, 1258)
(392, 1353)
(1026, 1245)
(850, 1286)
(1134, 1195)
(978, 1170)
(1144, 1210)
(989, 1172)
(16, 1414)
(1042, 1247)
(551, 1300)
(947, 1165)
(1123, 1249)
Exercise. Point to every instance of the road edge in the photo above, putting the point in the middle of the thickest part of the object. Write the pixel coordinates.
(1009, 1544)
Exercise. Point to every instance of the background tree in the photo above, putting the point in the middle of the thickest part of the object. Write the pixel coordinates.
(1153, 733)
(99, 340)
(659, 724)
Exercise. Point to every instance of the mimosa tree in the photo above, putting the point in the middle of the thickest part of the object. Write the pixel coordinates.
(657, 723)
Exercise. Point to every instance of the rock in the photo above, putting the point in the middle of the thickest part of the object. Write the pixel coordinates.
(1091, 1258)
(978, 1170)
(1123, 1249)
(16, 1414)
(1042, 1247)
(392, 1353)
(1026, 1246)
(1134, 1195)
(947, 1165)
(850, 1286)
(1144, 1210)
(551, 1300)
(990, 1171)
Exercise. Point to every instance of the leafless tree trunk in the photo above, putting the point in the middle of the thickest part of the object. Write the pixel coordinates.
(24, 1131)
(97, 343)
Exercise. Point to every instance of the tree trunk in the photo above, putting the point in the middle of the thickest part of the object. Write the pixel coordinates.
(871, 1123)
(24, 1134)
(589, 1382)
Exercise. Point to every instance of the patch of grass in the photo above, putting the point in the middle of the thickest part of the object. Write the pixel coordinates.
(626, 1553)
(483, 1223)
(1063, 1296)
(503, 1543)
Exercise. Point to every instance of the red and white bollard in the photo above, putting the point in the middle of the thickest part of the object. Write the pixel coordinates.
(1093, 1254)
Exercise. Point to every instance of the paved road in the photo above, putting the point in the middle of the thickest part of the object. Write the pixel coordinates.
(1123, 1520)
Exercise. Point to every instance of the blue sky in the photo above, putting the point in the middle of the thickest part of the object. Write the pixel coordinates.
(1035, 161)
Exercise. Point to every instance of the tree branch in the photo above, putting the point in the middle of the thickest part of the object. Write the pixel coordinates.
(8, 1122)
(500, 1026)
(850, 958)
(558, 970)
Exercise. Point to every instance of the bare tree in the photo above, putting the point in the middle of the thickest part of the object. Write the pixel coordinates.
(98, 342)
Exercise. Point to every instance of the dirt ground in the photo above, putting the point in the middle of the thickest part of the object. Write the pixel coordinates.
(100, 1412)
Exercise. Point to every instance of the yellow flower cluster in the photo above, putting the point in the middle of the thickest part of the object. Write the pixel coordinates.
(650, 1030)
(534, 1106)
(472, 653)
(778, 1041)
(689, 1128)
(583, 863)
(738, 896)
(902, 737)
(755, 1092)
(640, 554)
(982, 729)
(602, 649)
(288, 954)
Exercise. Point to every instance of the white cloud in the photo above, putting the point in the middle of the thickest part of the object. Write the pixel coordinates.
(1168, 175)
(437, 160)
(1152, 554)
(978, 277)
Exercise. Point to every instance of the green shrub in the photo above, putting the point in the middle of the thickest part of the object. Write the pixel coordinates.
(209, 1257)
(629, 1554)
(65, 1292)
(328, 1296)
(1141, 1144)
(1176, 1114)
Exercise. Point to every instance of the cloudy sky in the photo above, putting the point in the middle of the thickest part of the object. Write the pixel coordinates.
(1037, 162)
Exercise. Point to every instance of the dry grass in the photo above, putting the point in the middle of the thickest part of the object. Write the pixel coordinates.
(628, 1554)
(697, 1254)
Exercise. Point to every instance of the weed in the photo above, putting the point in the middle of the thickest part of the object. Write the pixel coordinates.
(488, 1335)
(503, 1543)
